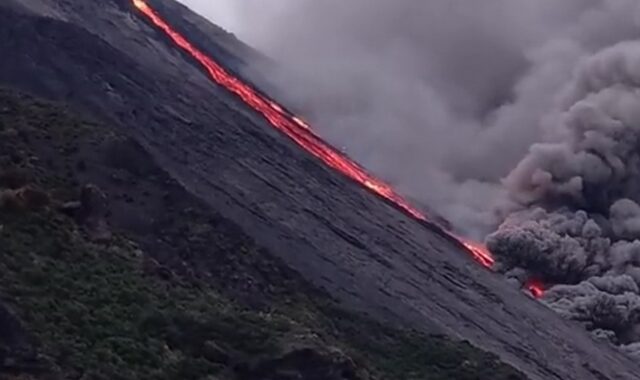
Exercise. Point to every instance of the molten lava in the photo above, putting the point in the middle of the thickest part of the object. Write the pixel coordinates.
(535, 288)
(298, 130)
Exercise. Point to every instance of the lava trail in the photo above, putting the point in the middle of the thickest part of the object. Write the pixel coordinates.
(536, 288)
(300, 132)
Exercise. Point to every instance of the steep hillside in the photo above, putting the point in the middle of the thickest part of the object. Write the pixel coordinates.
(102, 58)
(135, 278)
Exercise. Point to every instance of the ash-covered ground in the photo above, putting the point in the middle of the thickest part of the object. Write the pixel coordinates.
(102, 57)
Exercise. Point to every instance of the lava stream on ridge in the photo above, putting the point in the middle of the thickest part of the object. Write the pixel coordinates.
(301, 133)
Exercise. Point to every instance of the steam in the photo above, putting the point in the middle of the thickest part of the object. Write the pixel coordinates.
(516, 119)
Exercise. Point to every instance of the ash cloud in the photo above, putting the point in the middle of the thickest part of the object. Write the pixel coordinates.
(442, 98)
(516, 119)
(578, 223)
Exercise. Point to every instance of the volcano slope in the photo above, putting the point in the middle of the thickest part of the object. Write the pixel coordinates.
(103, 58)
(111, 270)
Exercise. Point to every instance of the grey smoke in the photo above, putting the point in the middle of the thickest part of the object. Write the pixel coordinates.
(578, 223)
(443, 98)
(608, 306)
(625, 218)
(516, 117)
(423, 93)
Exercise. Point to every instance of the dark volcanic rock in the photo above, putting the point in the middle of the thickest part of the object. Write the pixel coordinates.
(11, 332)
(304, 364)
(100, 56)
(93, 203)
(90, 211)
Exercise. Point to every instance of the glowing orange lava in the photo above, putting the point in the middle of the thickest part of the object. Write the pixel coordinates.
(535, 288)
(298, 130)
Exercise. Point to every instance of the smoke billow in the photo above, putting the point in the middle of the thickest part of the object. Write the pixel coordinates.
(579, 221)
(442, 98)
(515, 116)
(419, 92)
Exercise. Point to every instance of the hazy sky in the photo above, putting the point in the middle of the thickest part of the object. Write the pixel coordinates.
(222, 12)
(251, 20)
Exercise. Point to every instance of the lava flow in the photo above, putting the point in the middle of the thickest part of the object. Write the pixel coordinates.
(299, 131)
(535, 288)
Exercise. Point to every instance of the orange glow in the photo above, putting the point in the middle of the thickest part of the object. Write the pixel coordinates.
(479, 251)
(298, 130)
(535, 288)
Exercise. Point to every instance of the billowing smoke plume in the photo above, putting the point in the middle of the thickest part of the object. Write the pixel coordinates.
(579, 223)
(515, 116)
(441, 97)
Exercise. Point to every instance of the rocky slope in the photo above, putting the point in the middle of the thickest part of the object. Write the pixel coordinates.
(102, 58)
(110, 269)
